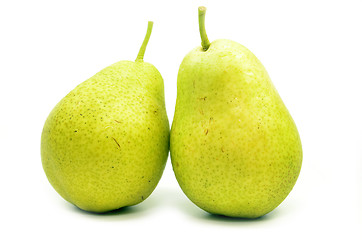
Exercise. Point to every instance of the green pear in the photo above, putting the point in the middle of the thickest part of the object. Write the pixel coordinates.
(235, 149)
(104, 146)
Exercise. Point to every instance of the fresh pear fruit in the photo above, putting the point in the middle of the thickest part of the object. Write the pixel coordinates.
(235, 149)
(104, 146)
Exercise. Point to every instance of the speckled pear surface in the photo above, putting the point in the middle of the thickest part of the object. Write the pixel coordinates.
(104, 146)
(235, 149)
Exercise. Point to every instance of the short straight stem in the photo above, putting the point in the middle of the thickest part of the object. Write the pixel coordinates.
(205, 43)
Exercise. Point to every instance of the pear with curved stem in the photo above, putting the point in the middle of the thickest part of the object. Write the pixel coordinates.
(235, 149)
(104, 146)
(142, 50)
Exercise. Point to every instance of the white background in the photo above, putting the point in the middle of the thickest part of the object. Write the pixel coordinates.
(311, 49)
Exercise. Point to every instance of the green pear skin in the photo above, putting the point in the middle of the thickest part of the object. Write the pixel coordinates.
(235, 149)
(104, 146)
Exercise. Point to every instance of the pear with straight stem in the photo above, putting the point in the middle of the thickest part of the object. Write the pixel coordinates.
(235, 149)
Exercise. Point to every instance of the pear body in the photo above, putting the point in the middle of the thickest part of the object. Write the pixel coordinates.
(235, 149)
(104, 146)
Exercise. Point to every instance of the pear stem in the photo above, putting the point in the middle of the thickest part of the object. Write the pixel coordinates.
(205, 43)
(141, 53)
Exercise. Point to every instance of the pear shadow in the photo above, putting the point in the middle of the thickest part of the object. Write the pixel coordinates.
(185, 206)
(172, 198)
(225, 219)
(123, 210)
(202, 215)
(124, 213)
